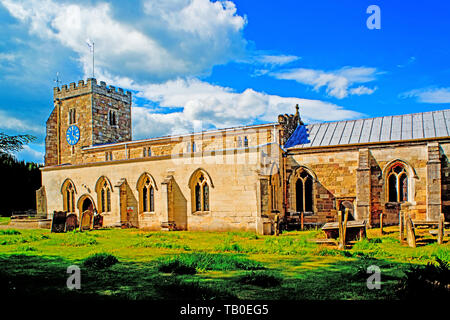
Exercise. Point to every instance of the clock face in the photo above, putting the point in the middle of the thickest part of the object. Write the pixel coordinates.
(73, 135)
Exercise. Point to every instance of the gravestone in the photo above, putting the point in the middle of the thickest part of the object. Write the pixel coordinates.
(98, 221)
(86, 220)
(59, 221)
(71, 222)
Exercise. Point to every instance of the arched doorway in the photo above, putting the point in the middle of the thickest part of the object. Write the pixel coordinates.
(84, 203)
(86, 209)
(87, 205)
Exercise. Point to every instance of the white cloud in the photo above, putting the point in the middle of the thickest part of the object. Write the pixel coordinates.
(429, 95)
(361, 90)
(337, 83)
(276, 59)
(206, 106)
(31, 154)
(7, 57)
(8, 122)
(171, 38)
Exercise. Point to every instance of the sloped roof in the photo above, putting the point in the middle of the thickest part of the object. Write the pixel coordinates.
(432, 124)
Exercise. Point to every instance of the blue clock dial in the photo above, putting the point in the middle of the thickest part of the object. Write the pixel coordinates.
(73, 135)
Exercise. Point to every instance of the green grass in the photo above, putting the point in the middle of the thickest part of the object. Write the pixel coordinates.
(4, 220)
(207, 265)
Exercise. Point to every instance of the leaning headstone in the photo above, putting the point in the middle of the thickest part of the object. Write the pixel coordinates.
(59, 221)
(98, 221)
(86, 220)
(410, 235)
(339, 216)
(71, 222)
(401, 225)
(440, 238)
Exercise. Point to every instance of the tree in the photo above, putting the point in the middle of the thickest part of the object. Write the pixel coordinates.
(14, 143)
(21, 178)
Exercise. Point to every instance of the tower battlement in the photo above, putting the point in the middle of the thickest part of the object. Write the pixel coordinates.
(90, 86)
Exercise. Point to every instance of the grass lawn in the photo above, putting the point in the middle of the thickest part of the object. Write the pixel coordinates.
(205, 265)
(4, 220)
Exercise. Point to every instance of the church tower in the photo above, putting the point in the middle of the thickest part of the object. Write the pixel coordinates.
(85, 115)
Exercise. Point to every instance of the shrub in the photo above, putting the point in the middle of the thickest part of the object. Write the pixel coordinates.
(230, 247)
(261, 278)
(161, 244)
(210, 261)
(100, 261)
(431, 281)
(26, 248)
(176, 266)
(10, 232)
(324, 251)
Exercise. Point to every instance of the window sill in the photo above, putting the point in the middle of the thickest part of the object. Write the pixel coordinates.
(201, 213)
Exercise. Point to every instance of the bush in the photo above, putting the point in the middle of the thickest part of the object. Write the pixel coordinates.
(229, 247)
(10, 232)
(261, 278)
(161, 244)
(430, 282)
(100, 261)
(210, 261)
(176, 266)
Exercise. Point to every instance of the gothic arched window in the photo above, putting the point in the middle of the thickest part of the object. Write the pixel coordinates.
(147, 192)
(304, 192)
(104, 195)
(112, 117)
(397, 183)
(68, 191)
(200, 186)
(72, 116)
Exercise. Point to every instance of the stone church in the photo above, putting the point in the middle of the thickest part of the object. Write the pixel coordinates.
(238, 178)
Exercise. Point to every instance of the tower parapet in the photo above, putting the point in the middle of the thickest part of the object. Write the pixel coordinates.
(91, 86)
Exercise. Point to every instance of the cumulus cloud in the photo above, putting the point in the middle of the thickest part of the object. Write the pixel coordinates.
(429, 95)
(206, 106)
(337, 83)
(8, 122)
(162, 51)
(170, 39)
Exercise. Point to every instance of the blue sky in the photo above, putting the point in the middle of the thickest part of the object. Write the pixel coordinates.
(196, 64)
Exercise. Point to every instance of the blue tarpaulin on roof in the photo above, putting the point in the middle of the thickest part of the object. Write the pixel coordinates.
(300, 136)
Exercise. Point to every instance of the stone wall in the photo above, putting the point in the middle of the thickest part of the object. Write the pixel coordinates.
(51, 139)
(340, 173)
(204, 143)
(233, 195)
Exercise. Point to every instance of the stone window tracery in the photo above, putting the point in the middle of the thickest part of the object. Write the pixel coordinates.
(69, 197)
(72, 116)
(397, 183)
(104, 195)
(112, 117)
(201, 194)
(304, 192)
(148, 196)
